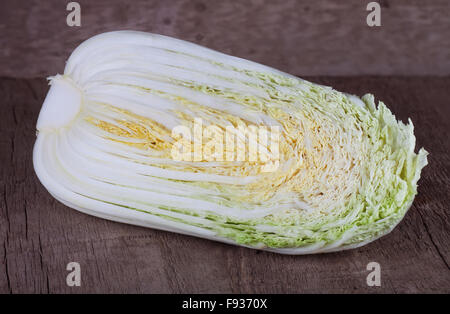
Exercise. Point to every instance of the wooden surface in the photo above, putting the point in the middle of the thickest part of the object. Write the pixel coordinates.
(39, 236)
(320, 37)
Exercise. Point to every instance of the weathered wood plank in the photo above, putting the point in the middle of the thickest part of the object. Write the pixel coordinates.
(323, 37)
(39, 236)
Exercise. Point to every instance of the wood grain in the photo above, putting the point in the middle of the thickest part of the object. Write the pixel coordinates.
(323, 37)
(39, 236)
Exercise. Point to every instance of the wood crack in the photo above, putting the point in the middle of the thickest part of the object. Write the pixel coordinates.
(26, 218)
(8, 280)
(6, 212)
(44, 271)
(431, 239)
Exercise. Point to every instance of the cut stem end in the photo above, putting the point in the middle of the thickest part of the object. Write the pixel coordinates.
(61, 105)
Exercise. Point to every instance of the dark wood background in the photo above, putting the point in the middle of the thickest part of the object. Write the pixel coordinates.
(39, 236)
(307, 37)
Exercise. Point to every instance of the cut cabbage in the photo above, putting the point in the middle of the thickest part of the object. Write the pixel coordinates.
(343, 171)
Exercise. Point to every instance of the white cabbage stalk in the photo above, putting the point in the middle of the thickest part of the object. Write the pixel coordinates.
(347, 169)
